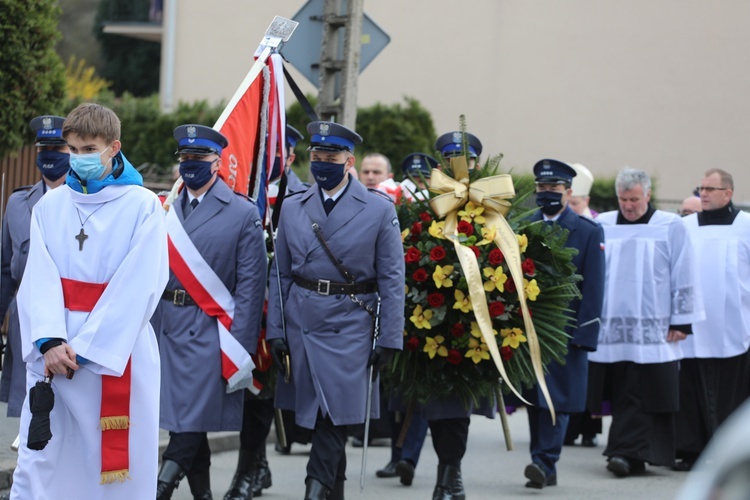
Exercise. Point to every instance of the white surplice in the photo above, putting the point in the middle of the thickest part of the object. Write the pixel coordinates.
(723, 261)
(651, 283)
(126, 248)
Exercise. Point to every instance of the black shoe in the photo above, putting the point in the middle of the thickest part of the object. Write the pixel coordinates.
(315, 490)
(537, 478)
(405, 471)
(682, 466)
(388, 471)
(619, 466)
(170, 475)
(589, 442)
(284, 450)
(449, 484)
(243, 480)
(262, 477)
(337, 493)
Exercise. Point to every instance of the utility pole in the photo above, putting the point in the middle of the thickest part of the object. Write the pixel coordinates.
(343, 68)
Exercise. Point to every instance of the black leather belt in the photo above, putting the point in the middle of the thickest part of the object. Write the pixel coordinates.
(328, 287)
(178, 297)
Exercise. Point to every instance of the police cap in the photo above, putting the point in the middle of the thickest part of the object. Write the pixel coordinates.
(48, 130)
(199, 140)
(553, 172)
(329, 136)
(418, 162)
(292, 136)
(451, 144)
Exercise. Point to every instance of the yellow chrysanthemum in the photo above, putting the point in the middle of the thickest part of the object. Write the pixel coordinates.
(441, 276)
(433, 345)
(477, 351)
(463, 301)
(496, 279)
(512, 337)
(436, 229)
(488, 235)
(404, 234)
(421, 319)
(472, 213)
(523, 242)
(531, 288)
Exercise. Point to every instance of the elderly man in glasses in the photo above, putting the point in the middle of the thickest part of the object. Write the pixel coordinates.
(715, 374)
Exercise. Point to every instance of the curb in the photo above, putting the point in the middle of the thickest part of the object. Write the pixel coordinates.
(217, 441)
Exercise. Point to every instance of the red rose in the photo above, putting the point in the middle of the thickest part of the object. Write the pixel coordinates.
(436, 299)
(497, 308)
(454, 357)
(510, 285)
(412, 255)
(465, 227)
(420, 275)
(475, 249)
(496, 257)
(425, 217)
(437, 253)
(528, 267)
(412, 344)
(506, 353)
(416, 228)
(457, 330)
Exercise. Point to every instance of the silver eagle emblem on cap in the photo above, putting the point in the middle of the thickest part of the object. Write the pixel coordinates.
(47, 123)
(324, 129)
(457, 137)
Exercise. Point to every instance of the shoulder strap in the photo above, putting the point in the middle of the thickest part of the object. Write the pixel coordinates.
(319, 234)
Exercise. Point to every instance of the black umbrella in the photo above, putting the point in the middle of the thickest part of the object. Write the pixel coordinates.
(41, 402)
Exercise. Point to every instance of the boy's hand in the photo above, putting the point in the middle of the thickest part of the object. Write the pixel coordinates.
(60, 360)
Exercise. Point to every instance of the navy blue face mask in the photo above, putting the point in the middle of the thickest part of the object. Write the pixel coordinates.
(327, 175)
(550, 201)
(196, 173)
(53, 164)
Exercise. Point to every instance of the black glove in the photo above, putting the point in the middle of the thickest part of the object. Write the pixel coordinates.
(379, 357)
(279, 349)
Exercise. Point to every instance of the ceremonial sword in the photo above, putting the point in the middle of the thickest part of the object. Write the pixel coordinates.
(368, 403)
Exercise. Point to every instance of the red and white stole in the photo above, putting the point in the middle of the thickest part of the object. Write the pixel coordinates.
(114, 416)
(209, 292)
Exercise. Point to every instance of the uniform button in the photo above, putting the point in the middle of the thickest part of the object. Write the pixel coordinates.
(338, 295)
(337, 330)
(308, 260)
(165, 332)
(192, 333)
(305, 331)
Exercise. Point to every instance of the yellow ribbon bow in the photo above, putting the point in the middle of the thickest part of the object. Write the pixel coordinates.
(493, 194)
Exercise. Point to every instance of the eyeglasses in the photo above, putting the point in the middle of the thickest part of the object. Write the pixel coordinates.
(709, 189)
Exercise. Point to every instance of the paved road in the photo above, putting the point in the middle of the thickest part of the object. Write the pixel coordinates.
(489, 470)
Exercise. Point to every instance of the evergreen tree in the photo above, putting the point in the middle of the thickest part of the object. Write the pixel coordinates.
(32, 77)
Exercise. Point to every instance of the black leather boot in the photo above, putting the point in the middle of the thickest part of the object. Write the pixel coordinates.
(243, 480)
(449, 485)
(170, 475)
(200, 484)
(315, 490)
(262, 477)
(337, 493)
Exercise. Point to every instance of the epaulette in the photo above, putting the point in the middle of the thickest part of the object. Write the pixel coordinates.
(381, 194)
(246, 197)
(24, 188)
(294, 193)
(589, 220)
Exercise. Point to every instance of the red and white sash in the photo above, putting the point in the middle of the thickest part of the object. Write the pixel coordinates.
(209, 292)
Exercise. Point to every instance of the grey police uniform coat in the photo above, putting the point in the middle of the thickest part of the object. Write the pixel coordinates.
(329, 336)
(15, 251)
(226, 229)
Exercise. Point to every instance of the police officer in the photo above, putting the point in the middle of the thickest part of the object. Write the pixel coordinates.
(449, 419)
(566, 383)
(253, 474)
(339, 252)
(417, 169)
(226, 231)
(53, 161)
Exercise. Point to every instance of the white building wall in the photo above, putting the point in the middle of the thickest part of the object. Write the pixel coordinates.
(659, 85)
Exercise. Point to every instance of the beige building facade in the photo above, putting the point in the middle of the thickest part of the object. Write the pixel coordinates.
(660, 85)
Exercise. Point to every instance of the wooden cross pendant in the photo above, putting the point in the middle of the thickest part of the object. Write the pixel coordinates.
(81, 238)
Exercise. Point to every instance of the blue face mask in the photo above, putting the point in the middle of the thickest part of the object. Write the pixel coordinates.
(196, 173)
(88, 166)
(53, 164)
(327, 175)
(550, 201)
